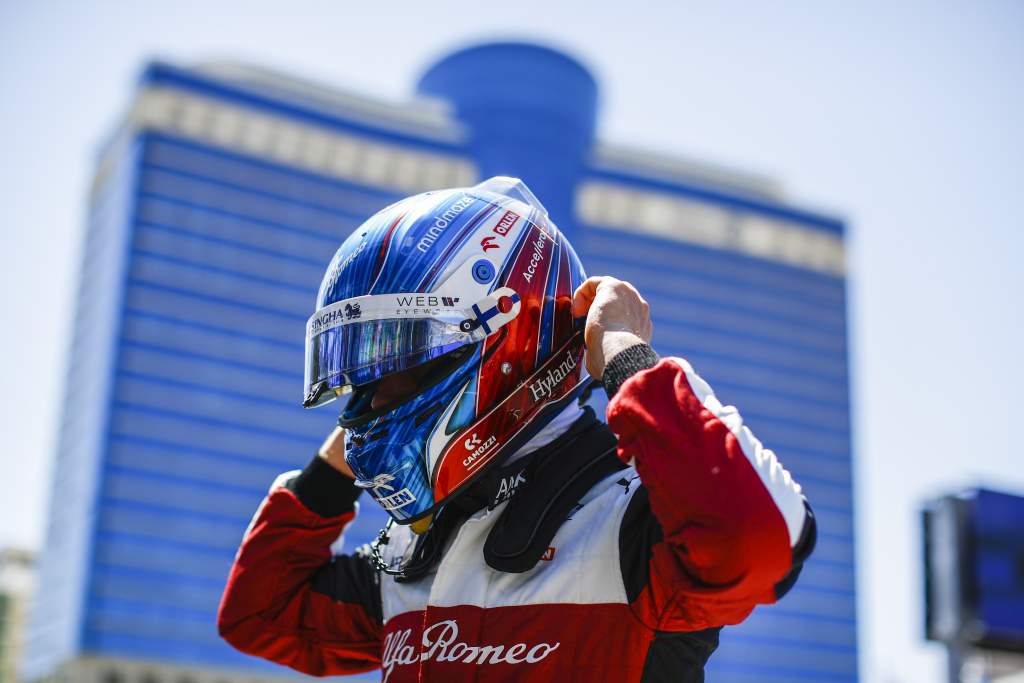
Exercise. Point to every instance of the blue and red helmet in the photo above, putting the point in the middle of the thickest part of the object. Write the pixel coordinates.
(474, 287)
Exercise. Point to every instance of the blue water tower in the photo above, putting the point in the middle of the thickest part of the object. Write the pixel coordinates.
(530, 112)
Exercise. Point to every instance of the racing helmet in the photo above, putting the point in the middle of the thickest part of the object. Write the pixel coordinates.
(474, 287)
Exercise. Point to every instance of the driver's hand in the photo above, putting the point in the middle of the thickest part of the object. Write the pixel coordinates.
(617, 318)
(333, 451)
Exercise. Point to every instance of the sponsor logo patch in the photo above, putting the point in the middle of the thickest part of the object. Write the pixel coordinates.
(506, 223)
(324, 321)
(537, 257)
(478, 447)
(440, 642)
(333, 277)
(545, 386)
(382, 482)
(507, 488)
(423, 304)
(420, 301)
(442, 222)
(397, 500)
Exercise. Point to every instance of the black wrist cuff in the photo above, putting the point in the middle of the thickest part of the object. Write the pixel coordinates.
(324, 490)
(625, 364)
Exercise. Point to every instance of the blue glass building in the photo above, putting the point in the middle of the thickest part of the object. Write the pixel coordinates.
(215, 209)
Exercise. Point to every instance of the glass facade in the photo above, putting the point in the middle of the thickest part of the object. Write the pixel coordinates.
(214, 213)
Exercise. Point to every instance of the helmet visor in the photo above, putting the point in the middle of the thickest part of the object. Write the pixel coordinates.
(360, 340)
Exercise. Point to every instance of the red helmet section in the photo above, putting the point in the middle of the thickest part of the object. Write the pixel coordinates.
(530, 364)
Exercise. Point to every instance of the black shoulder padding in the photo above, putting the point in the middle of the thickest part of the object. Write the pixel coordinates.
(676, 657)
(801, 551)
(639, 533)
(679, 657)
(324, 490)
(554, 485)
(351, 579)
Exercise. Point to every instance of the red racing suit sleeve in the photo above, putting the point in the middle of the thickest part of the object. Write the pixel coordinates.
(288, 599)
(718, 525)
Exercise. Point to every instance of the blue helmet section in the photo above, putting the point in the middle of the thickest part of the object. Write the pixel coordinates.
(403, 247)
(387, 454)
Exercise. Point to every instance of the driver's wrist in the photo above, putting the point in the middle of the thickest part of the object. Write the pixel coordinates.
(614, 342)
(324, 490)
(626, 363)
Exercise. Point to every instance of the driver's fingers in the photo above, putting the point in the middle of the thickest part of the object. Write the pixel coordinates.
(584, 295)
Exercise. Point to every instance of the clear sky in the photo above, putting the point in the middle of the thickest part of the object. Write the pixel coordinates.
(905, 118)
